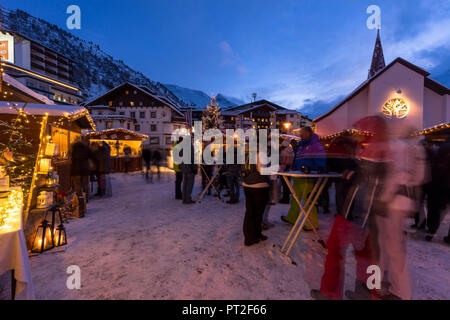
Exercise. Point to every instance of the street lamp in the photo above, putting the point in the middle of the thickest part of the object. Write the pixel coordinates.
(287, 125)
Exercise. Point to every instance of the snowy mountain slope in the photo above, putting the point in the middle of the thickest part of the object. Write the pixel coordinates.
(200, 99)
(96, 71)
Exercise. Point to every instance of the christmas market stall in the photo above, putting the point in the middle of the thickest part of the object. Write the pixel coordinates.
(125, 147)
(34, 142)
(436, 134)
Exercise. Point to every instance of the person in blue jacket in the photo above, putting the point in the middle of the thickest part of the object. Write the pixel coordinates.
(310, 157)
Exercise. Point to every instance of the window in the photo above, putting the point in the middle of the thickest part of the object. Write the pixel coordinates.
(128, 126)
(131, 104)
(168, 140)
(133, 115)
(137, 127)
(141, 103)
(100, 113)
(154, 140)
(127, 92)
(153, 127)
(153, 114)
(120, 103)
(135, 92)
(142, 114)
(110, 103)
(108, 124)
(121, 113)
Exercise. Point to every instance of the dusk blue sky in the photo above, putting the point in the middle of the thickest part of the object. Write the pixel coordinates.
(300, 54)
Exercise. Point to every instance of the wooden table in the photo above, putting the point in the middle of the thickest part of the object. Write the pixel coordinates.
(13, 250)
(305, 211)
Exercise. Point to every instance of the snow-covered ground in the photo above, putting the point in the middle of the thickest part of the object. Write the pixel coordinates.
(143, 244)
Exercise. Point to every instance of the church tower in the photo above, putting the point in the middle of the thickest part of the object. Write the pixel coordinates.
(378, 62)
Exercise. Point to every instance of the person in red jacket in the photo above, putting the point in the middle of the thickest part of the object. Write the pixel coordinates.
(361, 232)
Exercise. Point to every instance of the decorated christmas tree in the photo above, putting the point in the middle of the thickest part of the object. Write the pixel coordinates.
(211, 116)
(16, 160)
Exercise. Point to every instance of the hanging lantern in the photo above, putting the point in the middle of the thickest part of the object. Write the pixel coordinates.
(44, 165)
(50, 149)
(52, 179)
(60, 238)
(43, 239)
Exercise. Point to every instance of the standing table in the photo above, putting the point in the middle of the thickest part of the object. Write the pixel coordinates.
(210, 183)
(305, 211)
(13, 249)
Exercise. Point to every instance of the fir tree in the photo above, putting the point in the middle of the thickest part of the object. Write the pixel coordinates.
(211, 116)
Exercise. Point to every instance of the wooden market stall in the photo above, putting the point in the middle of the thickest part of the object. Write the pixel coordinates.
(437, 134)
(118, 140)
(48, 130)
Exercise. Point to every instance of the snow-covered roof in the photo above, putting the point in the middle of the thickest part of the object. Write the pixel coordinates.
(122, 131)
(147, 92)
(72, 112)
(20, 86)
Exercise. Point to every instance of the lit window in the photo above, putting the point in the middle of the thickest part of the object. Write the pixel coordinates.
(110, 103)
(131, 103)
(127, 92)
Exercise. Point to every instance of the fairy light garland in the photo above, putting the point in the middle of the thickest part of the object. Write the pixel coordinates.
(346, 132)
(433, 129)
(10, 212)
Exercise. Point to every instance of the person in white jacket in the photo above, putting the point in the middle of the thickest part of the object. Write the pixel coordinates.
(407, 171)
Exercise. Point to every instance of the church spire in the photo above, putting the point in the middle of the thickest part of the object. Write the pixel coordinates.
(377, 58)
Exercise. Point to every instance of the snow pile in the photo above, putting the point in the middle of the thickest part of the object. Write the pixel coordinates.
(143, 244)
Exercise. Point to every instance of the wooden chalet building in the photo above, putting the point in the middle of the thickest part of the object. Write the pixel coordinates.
(137, 108)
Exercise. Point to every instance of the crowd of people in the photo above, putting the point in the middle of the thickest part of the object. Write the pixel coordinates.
(89, 162)
(387, 178)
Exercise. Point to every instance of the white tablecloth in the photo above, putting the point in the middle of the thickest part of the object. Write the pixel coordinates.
(14, 253)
